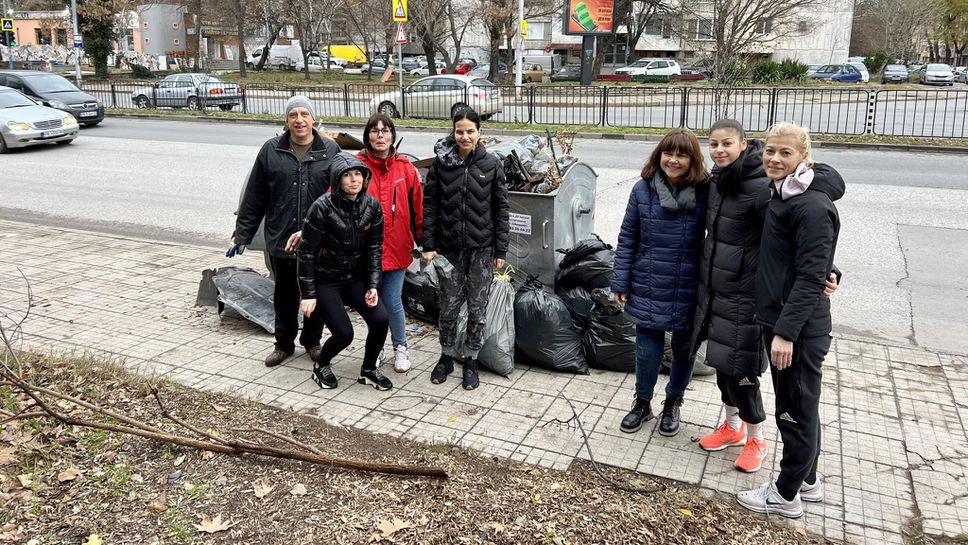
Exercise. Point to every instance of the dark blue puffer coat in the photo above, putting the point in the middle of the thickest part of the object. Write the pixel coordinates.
(657, 258)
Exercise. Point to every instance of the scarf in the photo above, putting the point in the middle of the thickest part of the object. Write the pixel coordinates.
(795, 183)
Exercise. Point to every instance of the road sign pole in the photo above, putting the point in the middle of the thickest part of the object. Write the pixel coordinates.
(77, 45)
(9, 47)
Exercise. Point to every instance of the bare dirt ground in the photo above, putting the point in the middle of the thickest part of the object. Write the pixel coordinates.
(74, 485)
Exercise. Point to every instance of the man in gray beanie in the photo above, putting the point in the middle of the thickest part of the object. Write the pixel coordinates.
(290, 172)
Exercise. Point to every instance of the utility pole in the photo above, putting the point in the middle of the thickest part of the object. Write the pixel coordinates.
(77, 43)
(519, 57)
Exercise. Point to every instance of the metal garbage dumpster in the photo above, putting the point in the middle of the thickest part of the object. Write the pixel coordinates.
(542, 223)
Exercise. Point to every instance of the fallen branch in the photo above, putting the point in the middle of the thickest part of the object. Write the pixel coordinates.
(134, 427)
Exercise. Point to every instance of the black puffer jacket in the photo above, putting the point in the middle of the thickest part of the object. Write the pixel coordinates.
(796, 255)
(726, 301)
(342, 239)
(465, 202)
(280, 189)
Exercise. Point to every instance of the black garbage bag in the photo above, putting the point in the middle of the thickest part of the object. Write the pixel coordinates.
(589, 265)
(249, 293)
(497, 354)
(609, 340)
(421, 292)
(579, 303)
(544, 332)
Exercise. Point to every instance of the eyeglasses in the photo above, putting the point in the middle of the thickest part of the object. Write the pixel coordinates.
(380, 131)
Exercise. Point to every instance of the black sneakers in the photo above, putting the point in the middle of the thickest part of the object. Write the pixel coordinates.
(374, 378)
(471, 380)
(444, 367)
(641, 413)
(324, 377)
(276, 357)
(669, 424)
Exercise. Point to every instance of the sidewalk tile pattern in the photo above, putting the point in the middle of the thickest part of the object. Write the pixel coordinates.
(895, 450)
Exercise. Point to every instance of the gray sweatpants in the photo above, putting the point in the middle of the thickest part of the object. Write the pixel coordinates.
(470, 282)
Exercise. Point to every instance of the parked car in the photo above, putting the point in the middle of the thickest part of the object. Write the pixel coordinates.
(465, 66)
(192, 91)
(568, 72)
(439, 97)
(484, 71)
(533, 73)
(894, 73)
(409, 64)
(424, 68)
(963, 77)
(24, 123)
(812, 69)
(937, 74)
(839, 73)
(55, 92)
(651, 67)
(376, 66)
(865, 76)
(317, 64)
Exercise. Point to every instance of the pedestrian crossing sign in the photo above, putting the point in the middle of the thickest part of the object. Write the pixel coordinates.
(400, 11)
(6, 25)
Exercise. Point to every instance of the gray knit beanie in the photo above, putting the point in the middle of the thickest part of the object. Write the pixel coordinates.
(300, 101)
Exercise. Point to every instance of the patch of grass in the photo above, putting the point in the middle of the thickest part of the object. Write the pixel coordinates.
(7, 399)
(94, 439)
(181, 531)
(197, 491)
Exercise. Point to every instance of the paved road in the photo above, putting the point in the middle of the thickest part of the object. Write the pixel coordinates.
(902, 247)
(841, 110)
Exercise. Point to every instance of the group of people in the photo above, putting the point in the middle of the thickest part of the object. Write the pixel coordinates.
(739, 257)
(341, 229)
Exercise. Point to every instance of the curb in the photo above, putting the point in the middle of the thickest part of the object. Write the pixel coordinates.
(914, 148)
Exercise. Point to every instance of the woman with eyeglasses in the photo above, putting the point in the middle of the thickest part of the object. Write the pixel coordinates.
(396, 184)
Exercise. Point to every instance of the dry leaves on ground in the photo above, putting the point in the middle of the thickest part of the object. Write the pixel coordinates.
(211, 525)
(389, 527)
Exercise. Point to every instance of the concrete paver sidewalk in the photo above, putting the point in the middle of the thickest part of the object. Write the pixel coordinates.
(894, 442)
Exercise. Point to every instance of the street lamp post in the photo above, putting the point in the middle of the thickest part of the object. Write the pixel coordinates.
(77, 42)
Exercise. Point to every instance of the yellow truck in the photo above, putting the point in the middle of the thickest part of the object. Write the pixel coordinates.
(351, 53)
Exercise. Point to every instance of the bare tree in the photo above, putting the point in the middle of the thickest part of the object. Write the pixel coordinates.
(501, 21)
(890, 26)
(740, 29)
(370, 23)
(633, 16)
(312, 19)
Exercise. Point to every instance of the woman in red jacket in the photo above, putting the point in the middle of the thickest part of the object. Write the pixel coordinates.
(396, 184)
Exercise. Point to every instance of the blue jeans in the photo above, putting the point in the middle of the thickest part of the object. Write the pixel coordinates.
(391, 293)
(649, 346)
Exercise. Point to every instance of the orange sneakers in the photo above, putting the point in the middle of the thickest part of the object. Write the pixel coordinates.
(723, 437)
(751, 458)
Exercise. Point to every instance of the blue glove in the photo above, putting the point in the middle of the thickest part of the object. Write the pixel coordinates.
(236, 249)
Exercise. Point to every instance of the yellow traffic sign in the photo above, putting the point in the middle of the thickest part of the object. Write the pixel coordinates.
(400, 11)
(524, 28)
(6, 25)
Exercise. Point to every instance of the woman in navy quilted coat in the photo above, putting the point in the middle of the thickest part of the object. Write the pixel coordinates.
(656, 264)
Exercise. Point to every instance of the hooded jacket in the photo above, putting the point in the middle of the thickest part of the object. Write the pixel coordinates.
(396, 184)
(796, 254)
(280, 189)
(658, 252)
(342, 239)
(726, 297)
(465, 202)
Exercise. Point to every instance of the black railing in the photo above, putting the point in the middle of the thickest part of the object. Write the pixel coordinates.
(905, 112)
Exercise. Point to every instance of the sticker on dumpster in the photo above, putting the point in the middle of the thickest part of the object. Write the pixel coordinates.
(520, 223)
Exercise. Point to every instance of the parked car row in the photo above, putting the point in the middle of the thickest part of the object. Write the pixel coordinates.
(192, 91)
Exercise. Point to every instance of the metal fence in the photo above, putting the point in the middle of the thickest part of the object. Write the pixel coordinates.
(848, 111)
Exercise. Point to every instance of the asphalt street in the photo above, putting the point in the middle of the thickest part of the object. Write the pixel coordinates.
(902, 247)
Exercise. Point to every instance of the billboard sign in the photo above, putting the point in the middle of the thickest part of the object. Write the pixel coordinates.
(589, 17)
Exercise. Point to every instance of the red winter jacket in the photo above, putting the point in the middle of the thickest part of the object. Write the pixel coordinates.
(396, 184)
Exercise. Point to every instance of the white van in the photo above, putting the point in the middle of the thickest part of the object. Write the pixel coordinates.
(550, 63)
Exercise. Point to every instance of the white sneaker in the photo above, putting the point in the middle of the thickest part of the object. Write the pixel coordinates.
(767, 499)
(401, 361)
(812, 492)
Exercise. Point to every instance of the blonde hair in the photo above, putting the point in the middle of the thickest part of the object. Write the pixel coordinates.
(796, 133)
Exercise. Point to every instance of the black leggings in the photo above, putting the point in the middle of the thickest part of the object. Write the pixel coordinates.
(330, 298)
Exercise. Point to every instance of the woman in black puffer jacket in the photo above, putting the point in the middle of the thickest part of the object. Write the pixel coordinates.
(466, 221)
(340, 263)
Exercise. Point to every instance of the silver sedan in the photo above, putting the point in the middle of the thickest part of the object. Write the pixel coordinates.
(24, 123)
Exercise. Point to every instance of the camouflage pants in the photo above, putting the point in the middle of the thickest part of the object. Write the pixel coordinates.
(470, 281)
